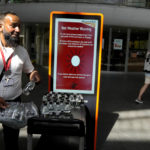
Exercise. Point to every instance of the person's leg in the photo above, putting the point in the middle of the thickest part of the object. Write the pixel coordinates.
(11, 137)
(142, 91)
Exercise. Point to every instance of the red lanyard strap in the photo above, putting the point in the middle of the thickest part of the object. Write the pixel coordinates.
(6, 64)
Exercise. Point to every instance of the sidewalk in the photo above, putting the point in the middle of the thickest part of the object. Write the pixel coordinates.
(123, 124)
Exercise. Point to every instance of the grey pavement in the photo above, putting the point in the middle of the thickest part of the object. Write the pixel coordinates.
(122, 124)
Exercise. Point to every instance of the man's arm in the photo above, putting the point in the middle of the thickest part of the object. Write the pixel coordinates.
(34, 76)
(3, 104)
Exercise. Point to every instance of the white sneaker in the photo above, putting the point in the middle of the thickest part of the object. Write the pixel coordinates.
(139, 101)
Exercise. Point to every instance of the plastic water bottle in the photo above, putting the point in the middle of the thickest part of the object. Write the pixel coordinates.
(28, 88)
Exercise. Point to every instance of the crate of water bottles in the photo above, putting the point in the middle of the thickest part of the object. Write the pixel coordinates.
(60, 105)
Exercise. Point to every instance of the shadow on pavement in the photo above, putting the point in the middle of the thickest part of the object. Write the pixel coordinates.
(105, 124)
(126, 145)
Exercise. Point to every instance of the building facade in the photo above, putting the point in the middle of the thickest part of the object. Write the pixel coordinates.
(126, 35)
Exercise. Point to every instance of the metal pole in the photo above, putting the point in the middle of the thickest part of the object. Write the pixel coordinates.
(29, 142)
(109, 49)
(148, 44)
(38, 44)
(127, 50)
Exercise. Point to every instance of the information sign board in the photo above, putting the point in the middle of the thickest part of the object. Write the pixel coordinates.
(75, 56)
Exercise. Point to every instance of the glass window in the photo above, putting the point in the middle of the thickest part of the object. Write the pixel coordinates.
(136, 3)
(118, 49)
(105, 44)
(137, 49)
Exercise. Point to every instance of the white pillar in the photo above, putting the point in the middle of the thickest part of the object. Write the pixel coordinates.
(3, 2)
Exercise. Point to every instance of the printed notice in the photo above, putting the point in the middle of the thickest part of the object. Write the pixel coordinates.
(75, 55)
(118, 44)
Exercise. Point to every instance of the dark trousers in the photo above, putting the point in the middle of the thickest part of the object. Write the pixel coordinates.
(11, 135)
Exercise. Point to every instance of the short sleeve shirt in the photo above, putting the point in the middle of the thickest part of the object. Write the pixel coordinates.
(20, 62)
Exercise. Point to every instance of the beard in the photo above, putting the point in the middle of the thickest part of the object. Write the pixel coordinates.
(10, 40)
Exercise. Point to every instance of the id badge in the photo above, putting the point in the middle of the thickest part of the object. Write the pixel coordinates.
(8, 82)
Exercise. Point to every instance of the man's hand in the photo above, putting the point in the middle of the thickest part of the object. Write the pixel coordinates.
(34, 76)
(3, 104)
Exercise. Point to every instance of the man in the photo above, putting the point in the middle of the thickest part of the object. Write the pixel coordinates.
(14, 60)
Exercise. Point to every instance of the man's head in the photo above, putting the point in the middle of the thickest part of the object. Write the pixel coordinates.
(9, 29)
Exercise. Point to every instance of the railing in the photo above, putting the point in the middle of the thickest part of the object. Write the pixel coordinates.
(130, 3)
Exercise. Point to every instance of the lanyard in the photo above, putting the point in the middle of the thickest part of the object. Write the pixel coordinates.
(6, 64)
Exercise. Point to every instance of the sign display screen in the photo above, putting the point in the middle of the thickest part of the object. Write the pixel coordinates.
(75, 55)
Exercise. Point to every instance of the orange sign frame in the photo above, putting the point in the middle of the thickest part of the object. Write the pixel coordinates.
(99, 58)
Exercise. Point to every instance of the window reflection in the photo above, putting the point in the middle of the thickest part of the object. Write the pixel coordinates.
(119, 39)
(137, 49)
(36, 39)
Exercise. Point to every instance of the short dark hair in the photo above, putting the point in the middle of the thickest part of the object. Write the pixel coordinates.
(4, 14)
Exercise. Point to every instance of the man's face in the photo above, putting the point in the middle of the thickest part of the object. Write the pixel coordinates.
(11, 30)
